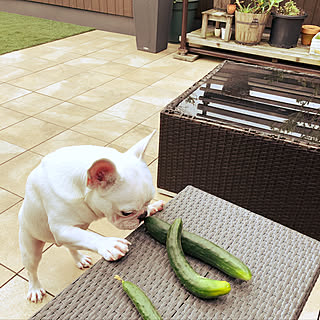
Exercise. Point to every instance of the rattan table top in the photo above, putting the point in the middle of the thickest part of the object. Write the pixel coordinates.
(269, 101)
(285, 265)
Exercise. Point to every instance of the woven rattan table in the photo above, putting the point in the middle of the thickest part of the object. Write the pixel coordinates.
(285, 265)
(250, 135)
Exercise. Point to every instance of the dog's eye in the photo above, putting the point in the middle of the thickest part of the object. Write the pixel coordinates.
(125, 214)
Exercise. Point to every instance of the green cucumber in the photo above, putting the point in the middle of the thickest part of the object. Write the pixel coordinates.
(201, 249)
(140, 300)
(199, 286)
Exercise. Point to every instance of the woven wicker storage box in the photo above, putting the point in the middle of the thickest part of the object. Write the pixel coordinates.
(273, 174)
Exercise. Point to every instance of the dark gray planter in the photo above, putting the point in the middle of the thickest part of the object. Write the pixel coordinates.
(152, 22)
(285, 30)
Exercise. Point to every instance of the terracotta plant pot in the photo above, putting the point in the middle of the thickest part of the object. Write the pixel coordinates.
(231, 8)
(308, 31)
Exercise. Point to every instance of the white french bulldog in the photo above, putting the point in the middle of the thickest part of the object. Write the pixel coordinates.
(74, 186)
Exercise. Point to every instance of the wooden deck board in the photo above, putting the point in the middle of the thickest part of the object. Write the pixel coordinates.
(298, 54)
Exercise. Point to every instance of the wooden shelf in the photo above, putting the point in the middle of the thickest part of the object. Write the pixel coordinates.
(300, 54)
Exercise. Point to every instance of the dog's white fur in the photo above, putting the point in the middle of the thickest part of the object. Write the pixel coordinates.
(74, 186)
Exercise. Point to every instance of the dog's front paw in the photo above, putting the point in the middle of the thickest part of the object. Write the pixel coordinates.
(114, 248)
(84, 261)
(155, 207)
(36, 294)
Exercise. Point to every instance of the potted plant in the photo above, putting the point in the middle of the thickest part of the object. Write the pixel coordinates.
(176, 20)
(251, 18)
(231, 7)
(308, 31)
(286, 25)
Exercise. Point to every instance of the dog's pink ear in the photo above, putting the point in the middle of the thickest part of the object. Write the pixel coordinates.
(102, 173)
(139, 148)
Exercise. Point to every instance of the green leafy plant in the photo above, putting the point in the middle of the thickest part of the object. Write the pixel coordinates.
(257, 6)
(290, 9)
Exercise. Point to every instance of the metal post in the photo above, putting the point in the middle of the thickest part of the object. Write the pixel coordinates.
(183, 43)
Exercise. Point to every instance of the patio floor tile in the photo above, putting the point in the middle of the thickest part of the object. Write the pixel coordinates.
(14, 173)
(75, 45)
(11, 72)
(9, 92)
(156, 96)
(127, 47)
(10, 253)
(197, 71)
(46, 52)
(137, 59)
(7, 200)
(85, 63)
(21, 59)
(144, 76)
(32, 103)
(113, 36)
(114, 69)
(133, 110)
(75, 85)
(66, 139)
(108, 54)
(66, 114)
(5, 275)
(174, 83)
(102, 97)
(15, 304)
(29, 132)
(153, 121)
(57, 268)
(104, 127)
(166, 65)
(9, 151)
(9, 117)
(46, 77)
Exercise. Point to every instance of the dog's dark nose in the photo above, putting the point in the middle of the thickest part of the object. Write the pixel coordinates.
(142, 216)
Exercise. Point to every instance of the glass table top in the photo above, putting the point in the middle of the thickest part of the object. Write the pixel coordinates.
(274, 101)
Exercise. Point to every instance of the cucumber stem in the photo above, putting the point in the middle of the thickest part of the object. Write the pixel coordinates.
(118, 278)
